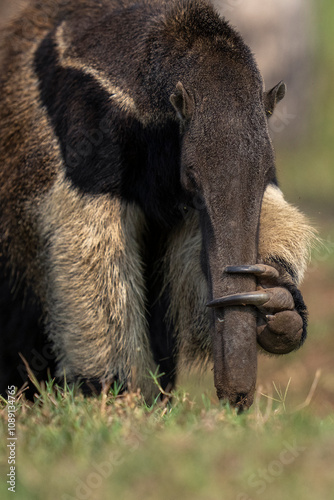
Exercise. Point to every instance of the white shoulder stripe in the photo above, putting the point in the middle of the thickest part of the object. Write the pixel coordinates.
(116, 93)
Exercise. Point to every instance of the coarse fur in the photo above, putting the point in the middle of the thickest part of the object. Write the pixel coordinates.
(286, 238)
(119, 96)
(95, 283)
(286, 235)
(101, 149)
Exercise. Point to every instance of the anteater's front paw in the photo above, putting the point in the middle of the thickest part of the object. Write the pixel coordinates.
(282, 321)
(282, 314)
(280, 326)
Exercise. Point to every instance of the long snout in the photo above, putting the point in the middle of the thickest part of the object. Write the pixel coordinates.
(235, 352)
(232, 241)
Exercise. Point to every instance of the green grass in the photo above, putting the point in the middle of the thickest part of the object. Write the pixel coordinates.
(117, 447)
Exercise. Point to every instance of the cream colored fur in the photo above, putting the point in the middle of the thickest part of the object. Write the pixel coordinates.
(95, 286)
(285, 233)
(188, 290)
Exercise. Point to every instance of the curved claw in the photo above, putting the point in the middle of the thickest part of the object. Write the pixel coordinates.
(240, 299)
(257, 269)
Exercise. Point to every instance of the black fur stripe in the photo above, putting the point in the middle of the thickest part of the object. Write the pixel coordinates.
(104, 149)
(82, 119)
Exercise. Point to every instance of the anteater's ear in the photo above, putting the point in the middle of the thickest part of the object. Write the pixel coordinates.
(182, 102)
(273, 96)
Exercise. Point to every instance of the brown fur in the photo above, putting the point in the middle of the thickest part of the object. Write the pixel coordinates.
(23, 117)
(84, 253)
(117, 95)
(102, 306)
(20, 182)
(285, 234)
